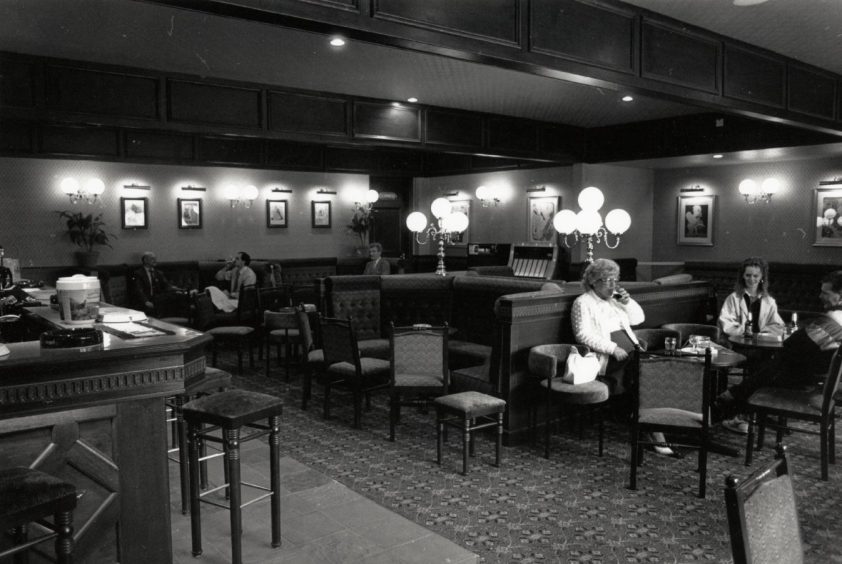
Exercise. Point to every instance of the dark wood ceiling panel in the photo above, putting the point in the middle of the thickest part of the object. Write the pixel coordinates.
(17, 137)
(305, 113)
(105, 93)
(754, 77)
(562, 142)
(490, 163)
(81, 141)
(17, 83)
(512, 135)
(230, 150)
(497, 21)
(453, 128)
(811, 92)
(587, 32)
(445, 163)
(678, 57)
(380, 120)
(159, 146)
(288, 154)
(212, 104)
(380, 161)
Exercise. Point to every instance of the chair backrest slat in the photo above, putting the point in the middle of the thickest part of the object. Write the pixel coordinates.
(339, 342)
(419, 351)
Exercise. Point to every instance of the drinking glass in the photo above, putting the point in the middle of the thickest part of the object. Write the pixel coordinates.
(670, 344)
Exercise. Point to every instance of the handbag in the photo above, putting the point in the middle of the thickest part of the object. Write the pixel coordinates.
(580, 369)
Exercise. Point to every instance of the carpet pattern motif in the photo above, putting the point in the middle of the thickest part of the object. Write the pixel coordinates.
(574, 508)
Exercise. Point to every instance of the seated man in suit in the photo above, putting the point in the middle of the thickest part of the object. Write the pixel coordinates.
(377, 264)
(237, 274)
(149, 283)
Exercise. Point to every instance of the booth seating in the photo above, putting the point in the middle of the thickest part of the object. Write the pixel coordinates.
(496, 321)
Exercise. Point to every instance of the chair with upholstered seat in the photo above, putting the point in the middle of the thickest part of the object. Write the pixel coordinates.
(280, 328)
(673, 396)
(235, 329)
(687, 329)
(815, 406)
(418, 368)
(28, 496)
(546, 366)
(654, 338)
(314, 358)
(345, 367)
(762, 515)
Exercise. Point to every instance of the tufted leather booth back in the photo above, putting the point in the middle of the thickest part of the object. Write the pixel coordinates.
(406, 300)
(357, 297)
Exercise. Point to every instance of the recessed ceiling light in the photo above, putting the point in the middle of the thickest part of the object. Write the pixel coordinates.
(412, 100)
(627, 98)
(717, 156)
(337, 41)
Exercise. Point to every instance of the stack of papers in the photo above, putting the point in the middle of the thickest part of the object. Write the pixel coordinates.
(119, 315)
(134, 329)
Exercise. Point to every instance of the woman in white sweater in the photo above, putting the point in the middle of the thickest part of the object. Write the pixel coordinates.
(751, 295)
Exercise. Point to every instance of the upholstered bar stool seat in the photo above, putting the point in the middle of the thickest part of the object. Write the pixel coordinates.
(469, 411)
(231, 411)
(28, 495)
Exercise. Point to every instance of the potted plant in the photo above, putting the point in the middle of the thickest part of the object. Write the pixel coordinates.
(86, 231)
(360, 225)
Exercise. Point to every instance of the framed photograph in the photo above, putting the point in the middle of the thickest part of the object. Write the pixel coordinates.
(694, 220)
(828, 217)
(190, 213)
(463, 206)
(320, 214)
(134, 213)
(541, 212)
(276, 213)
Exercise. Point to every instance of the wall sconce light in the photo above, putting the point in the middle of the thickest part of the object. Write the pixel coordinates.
(587, 224)
(370, 198)
(194, 188)
(326, 191)
(488, 196)
(754, 193)
(90, 191)
(236, 195)
(448, 224)
(137, 186)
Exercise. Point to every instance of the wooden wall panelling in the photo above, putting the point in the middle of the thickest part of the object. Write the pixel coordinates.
(754, 77)
(494, 21)
(514, 135)
(308, 113)
(491, 163)
(231, 150)
(811, 91)
(458, 129)
(436, 164)
(17, 137)
(564, 143)
(72, 89)
(213, 104)
(289, 154)
(680, 57)
(588, 32)
(17, 83)
(82, 141)
(164, 146)
(383, 120)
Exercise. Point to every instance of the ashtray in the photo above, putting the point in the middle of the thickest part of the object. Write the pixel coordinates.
(71, 338)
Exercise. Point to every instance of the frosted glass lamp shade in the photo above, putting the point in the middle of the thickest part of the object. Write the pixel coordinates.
(748, 187)
(231, 192)
(588, 222)
(372, 196)
(441, 207)
(95, 187)
(483, 193)
(456, 222)
(70, 186)
(416, 222)
(618, 221)
(565, 222)
(591, 198)
(250, 192)
(771, 186)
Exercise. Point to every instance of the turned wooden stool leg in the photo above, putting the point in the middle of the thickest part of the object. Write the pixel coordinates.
(275, 478)
(232, 461)
(466, 444)
(63, 522)
(193, 466)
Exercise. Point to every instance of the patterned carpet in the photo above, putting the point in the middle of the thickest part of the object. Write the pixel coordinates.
(574, 508)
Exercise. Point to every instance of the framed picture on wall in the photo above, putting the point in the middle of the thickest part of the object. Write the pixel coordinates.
(828, 217)
(539, 221)
(463, 206)
(276, 213)
(134, 213)
(694, 220)
(189, 213)
(320, 214)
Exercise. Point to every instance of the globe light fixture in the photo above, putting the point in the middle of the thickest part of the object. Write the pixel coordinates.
(587, 225)
(753, 193)
(448, 223)
(90, 191)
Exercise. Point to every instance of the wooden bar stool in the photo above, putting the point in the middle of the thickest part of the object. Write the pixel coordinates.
(231, 411)
(28, 496)
(210, 381)
(469, 411)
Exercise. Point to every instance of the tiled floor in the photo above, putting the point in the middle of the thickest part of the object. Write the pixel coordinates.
(322, 522)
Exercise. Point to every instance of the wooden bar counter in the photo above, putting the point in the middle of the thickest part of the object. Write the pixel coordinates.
(97, 419)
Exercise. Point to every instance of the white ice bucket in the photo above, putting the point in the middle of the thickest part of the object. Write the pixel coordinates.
(78, 299)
